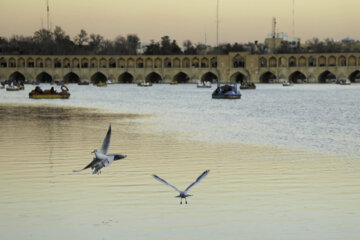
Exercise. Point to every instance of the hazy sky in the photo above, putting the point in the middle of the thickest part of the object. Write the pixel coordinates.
(240, 20)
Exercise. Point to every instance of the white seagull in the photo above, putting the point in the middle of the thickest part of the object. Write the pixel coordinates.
(102, 159)
(183, 194)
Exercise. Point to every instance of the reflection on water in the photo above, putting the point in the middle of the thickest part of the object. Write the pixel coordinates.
(252, 192)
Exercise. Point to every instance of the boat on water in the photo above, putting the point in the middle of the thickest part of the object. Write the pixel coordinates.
(226, 92)
(100, 84)
(287, 84)
(203, 84)
(343, 82)
(144, 84)
(15, 87)
(173, 82)
(83, 83)
(37, 93)
(246, 85)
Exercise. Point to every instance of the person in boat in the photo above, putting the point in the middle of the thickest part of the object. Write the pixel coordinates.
(52, 90)
(38, 90)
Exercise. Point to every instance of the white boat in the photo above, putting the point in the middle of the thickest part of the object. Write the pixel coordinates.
(287, 84)
(203, 84)
(144, 84)
(345, 82)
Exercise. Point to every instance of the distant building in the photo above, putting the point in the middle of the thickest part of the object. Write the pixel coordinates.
(274, 41)
(348, 39)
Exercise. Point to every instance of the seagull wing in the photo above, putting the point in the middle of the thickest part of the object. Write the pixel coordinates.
(166, 183)
(106, 142)
(197, 180)
(95, 160)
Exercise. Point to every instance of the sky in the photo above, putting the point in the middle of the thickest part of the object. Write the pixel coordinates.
(195, 20)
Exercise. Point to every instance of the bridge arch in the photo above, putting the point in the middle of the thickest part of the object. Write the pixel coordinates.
(297, 77)
(263, 62)
(352, 61)
(204, 62)
(12, 62)
(112, 63)
(272, 62)
(130, 63)
(30, 63)
(312, 61)
(44, 77)
(213, 62)
(48, 63)
(139, 63)
(238, 77)
(267, 77)
(149, 63)
(39, 63)
(153, 77)
(84, 63)
(181, 77)
(158, 63)
(186, 63)
(322, 61)
(332, 61)
(238, 61)
(17, 76)
(292, 61)
(71, 78)
(121, 63)
(195, 62)
(355, 76)
(209, 77)
(125, 78)
(21, 62)
(177, 63)
(327, 77)
(3, 62)
(167, 63)
(302, 61)
(75, 63)
(66, 63)
(342, 61)
(98, 77)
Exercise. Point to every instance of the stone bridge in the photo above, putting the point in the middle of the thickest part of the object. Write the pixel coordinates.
(234, 67)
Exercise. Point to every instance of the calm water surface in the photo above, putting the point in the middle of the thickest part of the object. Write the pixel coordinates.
(284, 163)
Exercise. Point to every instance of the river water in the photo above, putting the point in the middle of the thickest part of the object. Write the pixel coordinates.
(284, 163)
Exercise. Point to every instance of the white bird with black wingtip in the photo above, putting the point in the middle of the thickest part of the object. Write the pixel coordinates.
(102, 159)
(183, 194)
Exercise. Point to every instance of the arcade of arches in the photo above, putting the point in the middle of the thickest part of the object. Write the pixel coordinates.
(235, 67)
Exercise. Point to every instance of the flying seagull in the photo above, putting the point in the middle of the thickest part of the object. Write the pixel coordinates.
(102, 159)
(183, 194)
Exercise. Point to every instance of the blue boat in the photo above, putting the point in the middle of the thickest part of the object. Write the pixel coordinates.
(226, 92)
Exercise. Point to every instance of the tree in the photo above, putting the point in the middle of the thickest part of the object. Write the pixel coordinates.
(175, 49)
(133, 44)
(189, 49)
(95, 42)
(43, 36)
(81, 38)
(153, 48)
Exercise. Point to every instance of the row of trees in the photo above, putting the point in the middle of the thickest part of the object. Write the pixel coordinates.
(57, 42)
(317, 46)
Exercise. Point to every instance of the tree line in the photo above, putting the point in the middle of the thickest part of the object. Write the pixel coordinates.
(317, 46)
(57, 42)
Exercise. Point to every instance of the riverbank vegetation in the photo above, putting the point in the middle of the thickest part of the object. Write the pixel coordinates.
(57, 42)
